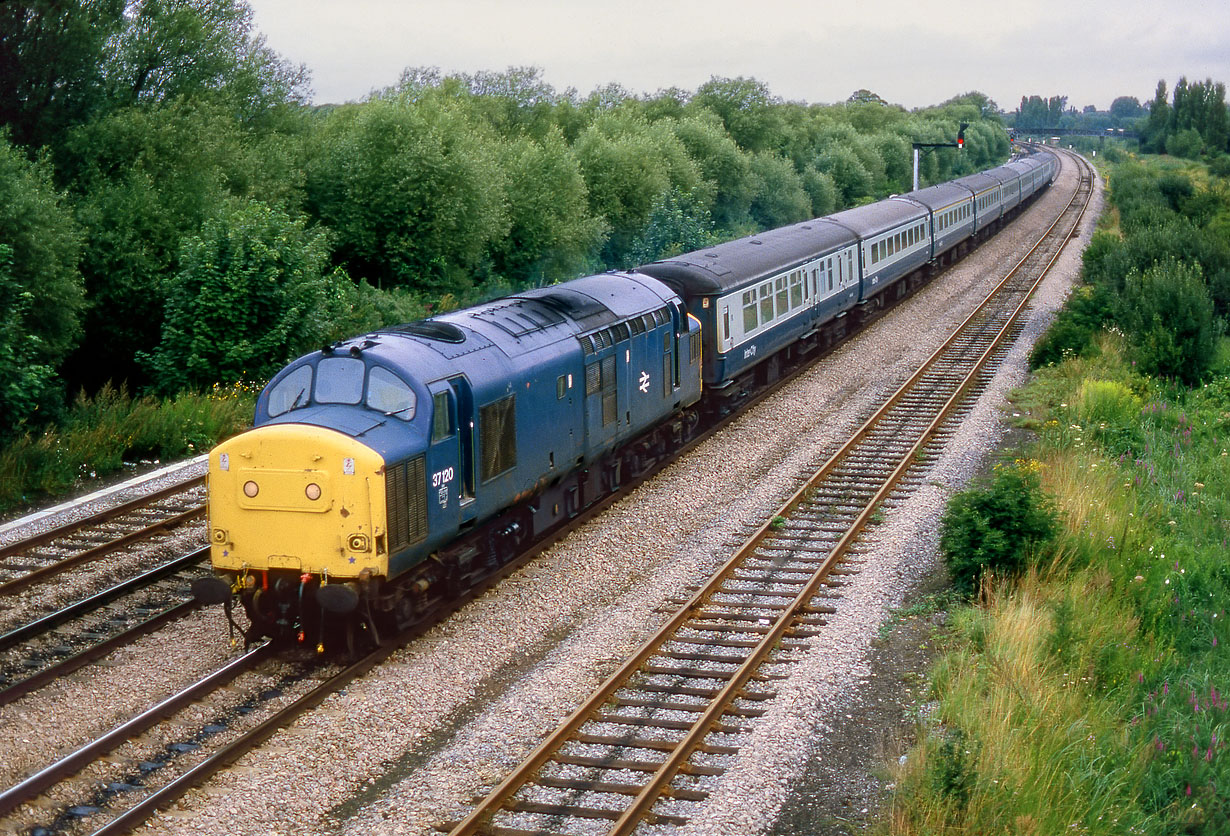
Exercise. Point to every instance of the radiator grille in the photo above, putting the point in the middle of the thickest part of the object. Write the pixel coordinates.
(406, 486)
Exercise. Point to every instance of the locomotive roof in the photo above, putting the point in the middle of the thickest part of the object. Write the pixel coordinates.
(540, 316)
(736, 263)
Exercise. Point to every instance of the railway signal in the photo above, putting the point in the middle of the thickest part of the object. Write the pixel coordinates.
(918, 146)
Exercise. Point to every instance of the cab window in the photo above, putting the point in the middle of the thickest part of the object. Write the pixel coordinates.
(339, 380)
(292, 391)
(388, 393)
(441, 422)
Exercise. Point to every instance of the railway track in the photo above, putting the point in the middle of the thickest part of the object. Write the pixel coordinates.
(119, 779)
(53, 621)
(66, 639)
(640, 748)
(41, 557)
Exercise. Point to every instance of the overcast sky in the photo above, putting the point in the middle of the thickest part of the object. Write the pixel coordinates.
(910, 52)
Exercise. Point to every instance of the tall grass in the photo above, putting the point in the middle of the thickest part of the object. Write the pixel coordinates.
(101, 433)
(1090, 695)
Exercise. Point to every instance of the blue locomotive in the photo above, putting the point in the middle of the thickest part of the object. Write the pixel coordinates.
(386, 468)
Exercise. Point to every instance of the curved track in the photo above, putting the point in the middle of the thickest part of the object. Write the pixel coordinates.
(633, 751)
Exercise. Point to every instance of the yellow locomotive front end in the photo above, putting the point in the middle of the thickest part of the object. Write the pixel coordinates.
(297, 526)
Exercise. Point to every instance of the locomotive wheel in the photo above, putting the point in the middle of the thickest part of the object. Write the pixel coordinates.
(404, 611)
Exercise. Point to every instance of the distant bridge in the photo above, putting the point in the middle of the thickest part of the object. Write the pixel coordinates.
(1113, 133)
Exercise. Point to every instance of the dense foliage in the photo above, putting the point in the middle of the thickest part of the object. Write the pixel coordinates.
(1162, 277)
(157, 157)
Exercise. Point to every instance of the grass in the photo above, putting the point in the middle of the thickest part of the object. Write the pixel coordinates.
(100, 434)
(1087, 695)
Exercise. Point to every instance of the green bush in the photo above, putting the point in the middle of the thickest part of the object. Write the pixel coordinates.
(1167, 316)
(992, 527)
(99, 434)
(1088, 310)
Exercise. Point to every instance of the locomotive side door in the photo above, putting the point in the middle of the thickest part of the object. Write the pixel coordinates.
(444, 471)
(464, 400)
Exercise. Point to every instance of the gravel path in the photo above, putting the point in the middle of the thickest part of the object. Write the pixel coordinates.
(408, 746)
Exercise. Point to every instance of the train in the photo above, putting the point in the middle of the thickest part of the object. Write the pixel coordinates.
(389, 471)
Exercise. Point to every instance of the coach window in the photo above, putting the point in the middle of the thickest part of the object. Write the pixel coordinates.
(783, 295)
(750, 321)
(766, 303)
(339, 380)
(292, 391)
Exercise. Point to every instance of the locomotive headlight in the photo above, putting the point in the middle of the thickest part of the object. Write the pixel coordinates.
(357, 543)
(312, 491)
(219, 535)
(251, 489)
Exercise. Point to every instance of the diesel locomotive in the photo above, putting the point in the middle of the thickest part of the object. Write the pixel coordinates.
(391, 469)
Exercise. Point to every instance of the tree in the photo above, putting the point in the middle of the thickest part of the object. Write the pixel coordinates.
(43, 245)
(254, 290)
(412, 190)
(28, 382)
(1126, 107)
(552, 233)
(171, 48)
(52, 56)
(745, 107)
(850, 176)
(630, 166)
(725, 165)
(865, 97)
(144, 177)
(1157, 126)
(781, 199)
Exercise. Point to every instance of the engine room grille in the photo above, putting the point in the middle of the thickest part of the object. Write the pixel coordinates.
(406, 487)
(498, 428)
